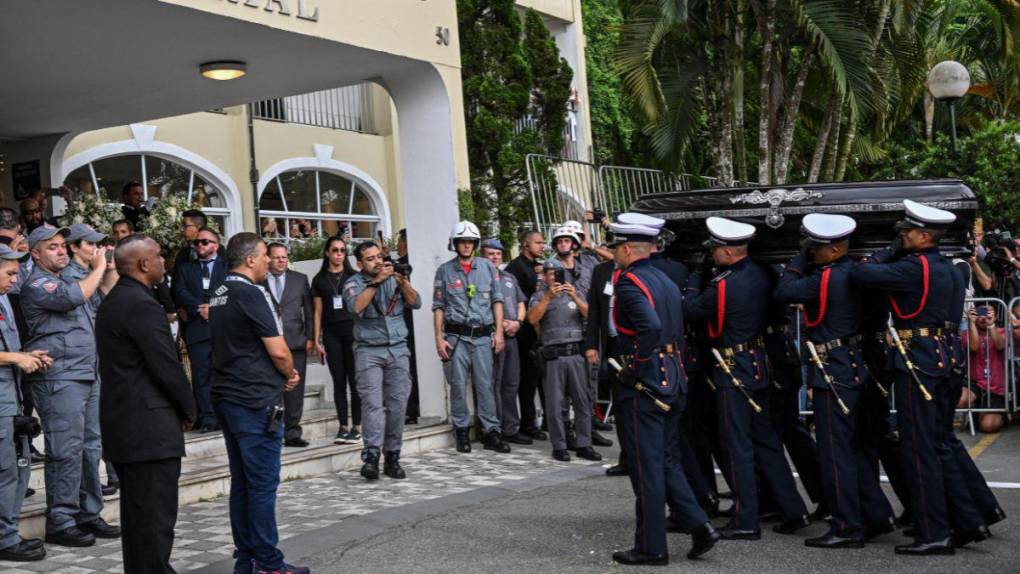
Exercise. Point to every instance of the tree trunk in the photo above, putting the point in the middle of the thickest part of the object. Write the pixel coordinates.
(785, 145)
(830, 162)
(766, 19)
(739, 133)
(823, 138)
(851, 131)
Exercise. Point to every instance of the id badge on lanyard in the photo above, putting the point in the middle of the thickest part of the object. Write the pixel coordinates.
(338, 302)
(206, 282)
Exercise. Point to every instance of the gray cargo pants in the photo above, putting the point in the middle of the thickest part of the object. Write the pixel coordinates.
(567, 377)
(472, 356)
(506, 378)
(13, 482)
(70, 419)
(384, 383)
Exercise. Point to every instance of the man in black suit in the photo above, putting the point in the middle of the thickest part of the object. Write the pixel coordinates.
(192, 284)
(600, 342)
(145, 405)
(293, 300)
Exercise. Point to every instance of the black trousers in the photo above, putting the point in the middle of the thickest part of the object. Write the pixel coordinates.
(531, 378)
(794, 434)
(339, 342)
(148, 513)
(413, 404)
(294, 399)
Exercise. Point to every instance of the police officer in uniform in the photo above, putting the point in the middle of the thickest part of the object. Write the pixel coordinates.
(648, 317)
(558, 312)
(819, 280)
(15, 467)
(919, 285)
(735, 305)
(59, 316)
(506, 370)
(467, 306)
(377, 297)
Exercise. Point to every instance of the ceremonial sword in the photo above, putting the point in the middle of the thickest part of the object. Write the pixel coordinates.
(640, 387)
(910, 364)
(825, 375)
(736, 382)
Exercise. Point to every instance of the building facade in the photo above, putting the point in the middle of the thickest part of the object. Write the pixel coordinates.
(356, 117)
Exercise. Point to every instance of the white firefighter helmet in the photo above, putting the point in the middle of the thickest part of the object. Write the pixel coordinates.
(574, 226)
(464, 230)
(565, 231)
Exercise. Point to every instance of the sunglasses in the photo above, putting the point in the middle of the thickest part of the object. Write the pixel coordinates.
(204, 242)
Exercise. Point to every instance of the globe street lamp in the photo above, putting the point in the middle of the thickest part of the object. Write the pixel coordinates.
(949, 81)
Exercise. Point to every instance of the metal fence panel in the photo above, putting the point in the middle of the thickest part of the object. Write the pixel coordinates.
(561, 189)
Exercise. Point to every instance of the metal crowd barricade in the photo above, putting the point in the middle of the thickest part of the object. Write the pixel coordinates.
(983, 398)
(562, 189)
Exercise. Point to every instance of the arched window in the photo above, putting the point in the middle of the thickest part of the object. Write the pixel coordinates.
(302, 203)
(160, 177)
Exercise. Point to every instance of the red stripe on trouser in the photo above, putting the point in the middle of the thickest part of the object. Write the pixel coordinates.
(832, 458)
(917, 465)
(641, 484)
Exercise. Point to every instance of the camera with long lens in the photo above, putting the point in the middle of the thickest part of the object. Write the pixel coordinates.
(995, 242)
(402, 269)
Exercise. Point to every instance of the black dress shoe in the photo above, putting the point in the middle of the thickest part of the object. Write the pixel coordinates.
(100, 529)
(109, 489)
(942, 547)
(735, 534)
(994, 516)
(599, 440)
(298, 442)
(830, 540)
(637, 557)
(22, 552)
(494, 441)
(29, 492)
(597, 424)
(617, 470)
(792, 525)
(519, 438)
(562, 455)
(703, 538)
(873, 531)
(588, 453)
(72, 537)
(710, 504)
(32, 542)
(535, 434)
(962, 538)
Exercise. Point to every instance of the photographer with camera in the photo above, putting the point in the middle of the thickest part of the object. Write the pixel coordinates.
(16, 430)
(1001, 258)
(251, 368)
(377, 297)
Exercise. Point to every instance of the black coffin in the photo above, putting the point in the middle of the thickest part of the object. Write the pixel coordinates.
(777, 212)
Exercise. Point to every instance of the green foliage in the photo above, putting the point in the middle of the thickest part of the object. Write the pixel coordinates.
(307, 249)
(988, 161)
(611, 113)
(515, 92)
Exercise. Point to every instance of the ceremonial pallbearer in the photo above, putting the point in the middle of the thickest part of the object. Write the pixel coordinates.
(735, 305)
(919, 285)
(819, 280)
(648, 317)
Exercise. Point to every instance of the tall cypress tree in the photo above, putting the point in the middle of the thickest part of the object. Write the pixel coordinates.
(516, 89)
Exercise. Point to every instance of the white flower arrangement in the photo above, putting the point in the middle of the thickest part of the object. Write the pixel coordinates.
(92, 209)
(164, 223)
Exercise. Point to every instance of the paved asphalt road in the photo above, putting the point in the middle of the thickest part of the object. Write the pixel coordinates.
(572, 521)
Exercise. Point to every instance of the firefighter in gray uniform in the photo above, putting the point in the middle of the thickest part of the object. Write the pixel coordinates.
(558, 312)
(67, 395)
(467, 308)
(506, 369)
(377, 297)
(14, 450)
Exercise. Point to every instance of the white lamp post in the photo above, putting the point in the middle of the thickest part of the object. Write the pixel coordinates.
(949, 81)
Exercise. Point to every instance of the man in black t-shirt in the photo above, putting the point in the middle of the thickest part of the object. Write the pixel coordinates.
(523, 268)
(252, 366)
